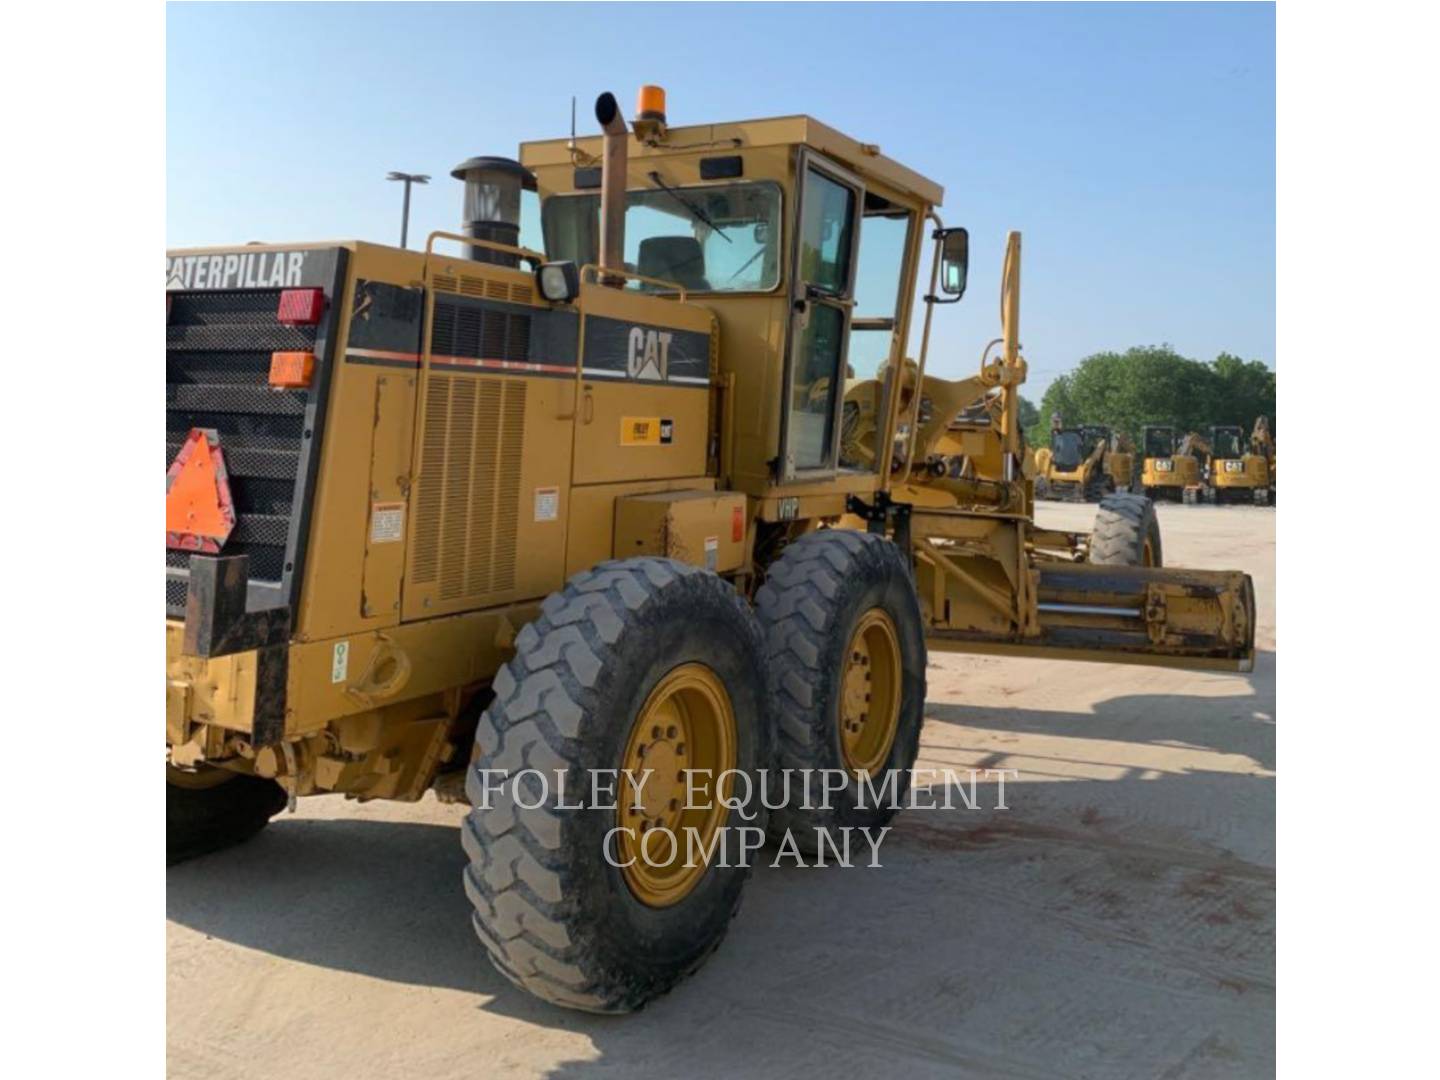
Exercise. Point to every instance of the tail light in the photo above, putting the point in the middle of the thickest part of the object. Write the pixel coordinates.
(301, 307)
(291, 370)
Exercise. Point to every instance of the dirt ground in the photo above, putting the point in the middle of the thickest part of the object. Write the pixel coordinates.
(1117, 920)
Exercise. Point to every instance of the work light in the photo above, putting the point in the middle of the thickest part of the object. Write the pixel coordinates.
(559, 282)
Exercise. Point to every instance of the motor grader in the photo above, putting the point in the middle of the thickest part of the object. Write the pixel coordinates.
(1240, 471)
(664, 500)
(1082, 464)
(1167, 467)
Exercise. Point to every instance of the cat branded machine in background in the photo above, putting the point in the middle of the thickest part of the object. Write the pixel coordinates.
(1167, 468)
(1237, 471)
(1082, 464)
(434, 519)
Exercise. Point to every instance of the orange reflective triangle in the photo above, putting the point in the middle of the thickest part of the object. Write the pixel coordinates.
(199, 512)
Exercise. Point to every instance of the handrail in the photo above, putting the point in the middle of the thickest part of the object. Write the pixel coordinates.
(924, 356)
(474, 241)
(673, 286)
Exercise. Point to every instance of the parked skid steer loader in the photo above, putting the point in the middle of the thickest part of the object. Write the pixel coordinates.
(1081, 464)
(657, 503)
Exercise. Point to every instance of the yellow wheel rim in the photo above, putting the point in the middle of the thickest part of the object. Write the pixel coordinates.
(870, 693)
(1147, 556)
(686, 727)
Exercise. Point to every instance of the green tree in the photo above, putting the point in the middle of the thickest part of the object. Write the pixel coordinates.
(1245, 390)
(1029, 414)
(1155, 384)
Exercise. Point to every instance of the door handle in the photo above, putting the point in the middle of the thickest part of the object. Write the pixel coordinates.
(588, 411)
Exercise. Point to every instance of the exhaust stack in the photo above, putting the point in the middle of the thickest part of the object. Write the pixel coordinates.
(613, 162)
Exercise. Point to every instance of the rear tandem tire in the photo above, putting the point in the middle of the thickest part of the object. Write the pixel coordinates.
(1127, 533)
(556, 914)
(201, 817)
(818, 599)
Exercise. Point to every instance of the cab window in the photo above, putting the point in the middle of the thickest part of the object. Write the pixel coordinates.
(706, 238)
(874, 328)
(883, 239)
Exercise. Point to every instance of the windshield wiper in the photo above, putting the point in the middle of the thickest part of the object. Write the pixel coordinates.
(695, 211)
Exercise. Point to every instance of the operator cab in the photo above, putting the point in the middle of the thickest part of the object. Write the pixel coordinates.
(1157, 441)
(1227, 442)
(803, 242)
(1071, 446)
(1066, 449)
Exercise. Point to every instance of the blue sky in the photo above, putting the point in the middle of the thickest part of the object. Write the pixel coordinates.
(1134, 145)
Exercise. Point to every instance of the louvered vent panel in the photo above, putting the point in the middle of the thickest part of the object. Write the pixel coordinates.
(430, 498)
(482, 492)
(458, 463)
(507, 512)
(468, 503)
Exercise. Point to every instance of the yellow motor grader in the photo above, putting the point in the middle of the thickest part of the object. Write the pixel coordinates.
(1082, 464)
(589, 534)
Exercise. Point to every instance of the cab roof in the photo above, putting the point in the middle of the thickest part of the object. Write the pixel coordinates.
(864, 159)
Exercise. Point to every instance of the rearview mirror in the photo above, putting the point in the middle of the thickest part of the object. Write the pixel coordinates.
(954, 261)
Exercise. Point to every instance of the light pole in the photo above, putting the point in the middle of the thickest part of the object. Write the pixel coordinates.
(408, 178)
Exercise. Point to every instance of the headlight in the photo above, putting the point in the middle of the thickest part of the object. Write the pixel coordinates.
(559, 282)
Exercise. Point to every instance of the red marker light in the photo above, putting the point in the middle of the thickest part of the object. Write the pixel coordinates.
(301, 307)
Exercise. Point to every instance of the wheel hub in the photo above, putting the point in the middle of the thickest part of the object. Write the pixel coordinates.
(682, 743)
(870, 693)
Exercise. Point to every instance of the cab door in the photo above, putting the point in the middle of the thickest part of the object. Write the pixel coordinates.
(822, 296)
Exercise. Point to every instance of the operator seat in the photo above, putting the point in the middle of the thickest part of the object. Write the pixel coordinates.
(674, 258)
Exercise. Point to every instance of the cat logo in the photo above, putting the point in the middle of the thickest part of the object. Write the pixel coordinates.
(649, 356)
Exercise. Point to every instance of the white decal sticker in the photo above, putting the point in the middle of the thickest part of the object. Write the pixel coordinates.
(340, 662)
(238, 270)
(387, 523)
(712, 552)
(649, 353)
(547, 503)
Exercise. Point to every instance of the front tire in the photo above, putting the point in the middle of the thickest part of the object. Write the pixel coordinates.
(620, 667)
(846, 650)
(1127, 532)
(211, 809)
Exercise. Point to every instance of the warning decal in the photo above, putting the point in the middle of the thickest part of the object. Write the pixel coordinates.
(340, 662)
(387, 522)
(547, 503)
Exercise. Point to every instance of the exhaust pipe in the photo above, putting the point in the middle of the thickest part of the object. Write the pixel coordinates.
(612, 189)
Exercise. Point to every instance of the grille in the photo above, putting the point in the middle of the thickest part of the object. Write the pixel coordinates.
(467, 506)
(217, 364)
(476, 332)
(516, 292)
